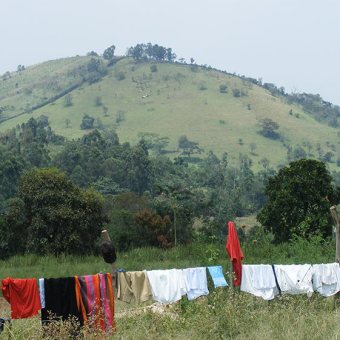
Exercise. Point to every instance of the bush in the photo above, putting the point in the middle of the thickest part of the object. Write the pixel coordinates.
(68, 100)
(87, 122)
(120, 75)
(223, 88)
(237, 93)
(202, 86)
(153, 68)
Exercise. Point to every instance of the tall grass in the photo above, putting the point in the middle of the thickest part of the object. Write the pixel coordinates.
(196, 254)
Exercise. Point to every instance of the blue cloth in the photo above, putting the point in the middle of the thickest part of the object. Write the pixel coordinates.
(217, 276)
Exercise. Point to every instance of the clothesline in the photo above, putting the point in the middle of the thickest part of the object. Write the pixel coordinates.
(92, 296)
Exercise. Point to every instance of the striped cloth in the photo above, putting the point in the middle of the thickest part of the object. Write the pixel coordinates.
(95, 300)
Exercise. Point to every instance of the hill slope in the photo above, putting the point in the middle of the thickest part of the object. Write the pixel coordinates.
(168, 99)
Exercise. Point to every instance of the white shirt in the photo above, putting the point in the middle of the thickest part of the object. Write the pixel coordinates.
(259, 280)
(326, 278)
(196, 282)
(167, 286)
(295, 278)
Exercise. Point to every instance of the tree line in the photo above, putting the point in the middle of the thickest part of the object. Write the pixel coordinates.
(143, 197)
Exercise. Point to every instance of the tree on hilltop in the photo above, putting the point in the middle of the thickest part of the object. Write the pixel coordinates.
(109, 53)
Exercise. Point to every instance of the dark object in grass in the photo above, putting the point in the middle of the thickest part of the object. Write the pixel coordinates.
(2, 323)
(108, 252)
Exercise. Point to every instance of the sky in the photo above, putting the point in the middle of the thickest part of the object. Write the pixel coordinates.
(291, 43)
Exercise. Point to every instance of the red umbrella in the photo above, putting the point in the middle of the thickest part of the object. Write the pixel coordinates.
(234, 250)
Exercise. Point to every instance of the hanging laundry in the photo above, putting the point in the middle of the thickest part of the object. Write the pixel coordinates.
(326, 278)
(234, 250)
(295, 279)
(259, 280)
(23, 296)
(167, 286)
(196, 282)
(133, 286)
(60, 301)
(42, 292)
(216, 274)
(95, 300)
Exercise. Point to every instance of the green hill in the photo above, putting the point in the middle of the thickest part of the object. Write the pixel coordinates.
(221, 112)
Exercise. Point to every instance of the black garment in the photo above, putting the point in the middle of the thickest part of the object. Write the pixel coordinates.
(108, 252)
(60, 301)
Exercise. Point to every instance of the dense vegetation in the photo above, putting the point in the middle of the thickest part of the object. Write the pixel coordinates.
(143, 199)
(143, 196)
(299, 197)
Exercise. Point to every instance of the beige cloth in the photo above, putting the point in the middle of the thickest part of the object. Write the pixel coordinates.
(133, 286)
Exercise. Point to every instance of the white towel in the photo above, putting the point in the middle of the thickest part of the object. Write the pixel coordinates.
(42, 292)
(326, 278)
(167, 286)
(259, 280)
(196, 282)
(295, 278)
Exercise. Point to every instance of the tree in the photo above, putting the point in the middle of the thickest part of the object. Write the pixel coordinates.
(253, 148)
(98, 101)
(92, 54)
(188, 147)
(223, 88)
(237, 93)
(51, 215)
(298, 201)
(108, 54)
(153, 68)
(87, 122)
(68, 100)
(269, 128)
(154, 142)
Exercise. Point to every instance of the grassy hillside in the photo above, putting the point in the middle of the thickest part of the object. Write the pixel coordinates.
(171, 101)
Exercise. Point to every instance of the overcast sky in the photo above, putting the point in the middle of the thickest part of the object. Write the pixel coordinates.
(292, 43)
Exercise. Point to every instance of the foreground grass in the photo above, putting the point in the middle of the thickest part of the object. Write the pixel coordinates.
(224, 314)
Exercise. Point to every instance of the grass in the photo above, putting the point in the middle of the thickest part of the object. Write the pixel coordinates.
(224, 314)
(193, 255)
(173, 105)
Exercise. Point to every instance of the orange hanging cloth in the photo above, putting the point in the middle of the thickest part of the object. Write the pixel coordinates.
(234, 250)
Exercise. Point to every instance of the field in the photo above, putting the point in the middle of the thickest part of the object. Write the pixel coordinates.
(224, 314)
(175, 100)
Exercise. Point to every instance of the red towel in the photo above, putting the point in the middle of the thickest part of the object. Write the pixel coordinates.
(23, 296)
(235, 252)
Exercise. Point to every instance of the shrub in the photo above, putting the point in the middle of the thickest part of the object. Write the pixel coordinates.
(153, 68)
(87, 122)
(120, 75)
(202, 86)
(237, 93)
(223, 88)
